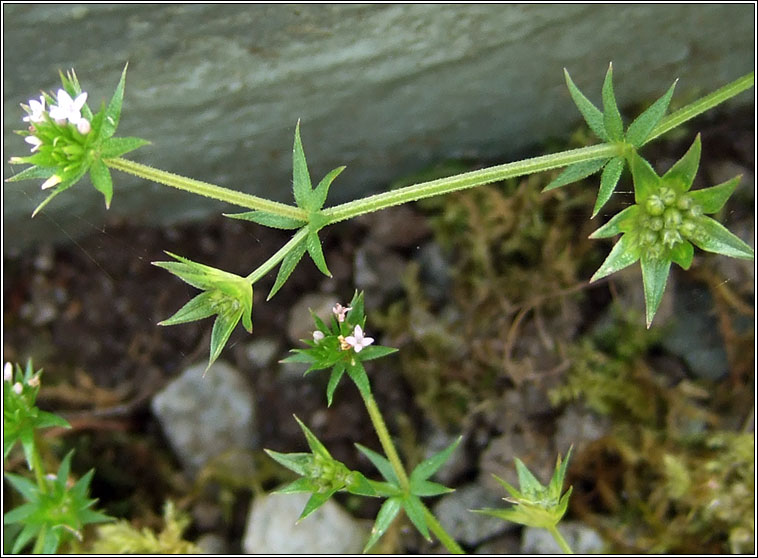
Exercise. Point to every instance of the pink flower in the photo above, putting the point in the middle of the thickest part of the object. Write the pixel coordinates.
(357, 341)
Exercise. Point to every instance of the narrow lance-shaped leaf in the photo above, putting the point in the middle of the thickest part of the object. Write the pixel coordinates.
(655, 272)
(381, 463)
(384, 518)
(414, 509)
(590, 112)
(575, 172)
(116, 147)
(102, 181)
(113, 112)
(266, 219)
(614, 226)
(322, 190)
(313, 244)
(316, 500)
(646, 181)
(197, 308)
(608, 181)
(614, 126)
(717, 238)
(334, 380)
(428, 467)
(682, 174)
(32, 172)
(682, 254)
(622, 255)
(222, 330)
(713, 199)
(289, 263)
(640, 129)
(301, 179)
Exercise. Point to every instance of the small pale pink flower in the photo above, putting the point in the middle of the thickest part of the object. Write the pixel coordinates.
(18, 388)
(34, 141)
(357, 341)
(83, 126)
(8, 372)
(68, 108)
(35, 110)
(318, 336)
(340, 311)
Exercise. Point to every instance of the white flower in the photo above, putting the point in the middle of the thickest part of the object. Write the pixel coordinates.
(357, 341)
(83, 126)
(68, 108)
(36, 110)
(318, 336)
(340, 311)
(34, 141)
(8, 372)
(18, 388)
(50, 182)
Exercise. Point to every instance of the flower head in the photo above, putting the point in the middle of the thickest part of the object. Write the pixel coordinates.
(357, 341)
(68, 108)
(340, 311)
(35, 110)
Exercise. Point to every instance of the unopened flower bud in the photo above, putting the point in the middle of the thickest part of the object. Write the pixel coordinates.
(52, 181)
(318, 335)
(8, 372)
(654, 205)
(83, 126)
(18, 388)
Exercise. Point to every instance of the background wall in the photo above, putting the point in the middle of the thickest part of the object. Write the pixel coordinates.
(383, 89)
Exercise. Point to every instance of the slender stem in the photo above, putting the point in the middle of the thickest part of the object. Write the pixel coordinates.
(440, 533)
(39, 473)
(467, 180)
(39, 544)
(386, 440)
(560, 540)
(205, 189)
(280, 254)
(701, 105)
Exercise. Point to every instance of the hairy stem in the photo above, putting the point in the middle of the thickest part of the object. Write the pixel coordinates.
(205, 189)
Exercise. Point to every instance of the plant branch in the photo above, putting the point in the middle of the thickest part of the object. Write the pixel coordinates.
(560, 540)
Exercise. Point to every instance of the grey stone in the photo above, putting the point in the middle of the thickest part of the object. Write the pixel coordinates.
(454, 513)
(273, 528)
(581, 539)
(300, 325)
(263, 351)
(576, 427)
(386, 89)
(204, 416)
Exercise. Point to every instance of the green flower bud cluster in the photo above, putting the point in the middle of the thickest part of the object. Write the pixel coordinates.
(666, 219)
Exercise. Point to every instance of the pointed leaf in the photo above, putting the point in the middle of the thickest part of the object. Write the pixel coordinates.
(381, 463)
(528, 483)
(717, 238)
(334, 380)
(322, 190)
(222, 330)
(682, 254)
(289, 263)
(298, 486)
(608, 181)
(197, 308)
(617, 223)
(102, 181)
(46, 420)
(713, 199)
(316, 500)
(297, 462)
(414, 509)
(358, 374)
(514, 493)
(682, 174)
(32, 172)
(556, 483)
(298, 356)
(428, 467)
(590, 112)
(360, 485)
(425, 488)
(575, 172)
(384, 518)
(622, 255)
(27, 488)
(113, 112)
(19, 514)
(301, 178)
(313, 244)
(655, 272)
(314, 443)
(614, 126)
(376, 351)
(29, 531)
(116, 147)
(646, 181)
(267, 219)
(640, 129)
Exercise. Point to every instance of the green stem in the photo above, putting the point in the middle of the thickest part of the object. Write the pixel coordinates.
(39, 472)
(280, 254)
(205, 189)
(560, 540)
(440, 533)
(467, 180)
(701, 105)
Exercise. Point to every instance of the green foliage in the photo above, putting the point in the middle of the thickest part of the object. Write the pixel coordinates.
(65, 150)
(122, 538)
(535, 505)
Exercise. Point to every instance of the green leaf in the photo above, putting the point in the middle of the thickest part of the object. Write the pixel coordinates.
(297, 462)
(113, 112)
(646, 181)
(358, 374)
(608, 181)
(102, 181)
(425, 488)
(682, 174)
(617, 223)
(197, 308)
(414, 509)
(384, 518)
(301, 178)
(640, 129)
(428, 467)
(268, 219)
(316, 500)
(713, 199)
(222, 330)
(575, 172)
(32, 172)
(322, 190)
(298, 356)
(28, 489)
(314, 443)
(115, 147)
(590, 112)
(556, 482)
(655, 272)
(717, 238)
(47, 420)
(334, 380)
(381, 463)
(375, 351)
(289, 263)
(614, 126)
(528, 483)
(682, 254)
(622, 255)
(298, 486)
(313, 244)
